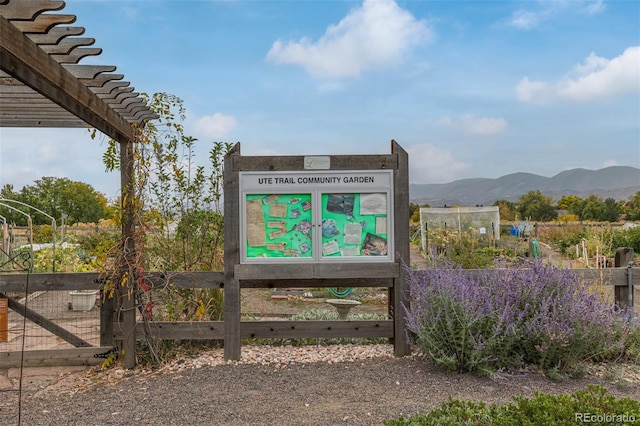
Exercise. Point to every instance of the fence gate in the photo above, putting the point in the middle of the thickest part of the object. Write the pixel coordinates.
(45, 322)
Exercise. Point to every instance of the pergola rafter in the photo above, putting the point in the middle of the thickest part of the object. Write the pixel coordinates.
(42, 83)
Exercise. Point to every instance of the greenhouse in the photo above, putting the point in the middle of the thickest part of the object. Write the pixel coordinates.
(442, 226)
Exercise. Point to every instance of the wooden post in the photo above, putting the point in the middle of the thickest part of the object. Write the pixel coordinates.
(106, 320)
(623, 256)
(232, 343)
(127, 293)
(4, 319)
(401, 237)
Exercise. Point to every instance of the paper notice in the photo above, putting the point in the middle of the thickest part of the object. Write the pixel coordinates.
(330, 248)
(352, 233)
(271, 198)
(279, 224)
(277, 234)
(255, 235)
(277, 210)
(350, 251)
(254, 212)
(276, 247)
(373, 203)
(381, 225)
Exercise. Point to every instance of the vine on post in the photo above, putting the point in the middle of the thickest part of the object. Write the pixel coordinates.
(174, 207)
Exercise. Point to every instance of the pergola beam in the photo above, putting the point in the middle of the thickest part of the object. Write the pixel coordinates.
(21, 58)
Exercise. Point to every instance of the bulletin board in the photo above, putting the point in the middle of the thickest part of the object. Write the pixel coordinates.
(316, 216)
(278, 225)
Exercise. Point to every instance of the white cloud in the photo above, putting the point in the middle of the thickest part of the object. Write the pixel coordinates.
(214, 126)
(483, 125)
(472, 124)
(595, 7)
(525, 20)
(596, 78)
(375, 35)
(430, 164)
(28, 154)
(610, 163)
(600, 78)
(528, 19)
(537, 92)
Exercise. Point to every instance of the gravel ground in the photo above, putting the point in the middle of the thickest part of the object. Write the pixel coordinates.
(312, 385)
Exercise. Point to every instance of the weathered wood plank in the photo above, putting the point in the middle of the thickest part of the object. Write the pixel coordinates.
(76, 55)
(181, 330)
(296, 163)
(186, 279)
(53, 357)
(231, 255)
(55, 34)
(43, 22)
(315, 329)
(67, 45)
(49, 281)
(300, 271)
(398, 299)
(107, 312)
(309, 283)
(25, 10)
(64, 281)
(35, 68)
(357, 270)
(125, 294)
(214, 330)
(273, 271)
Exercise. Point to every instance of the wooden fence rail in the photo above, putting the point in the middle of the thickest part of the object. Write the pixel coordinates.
(112, 334)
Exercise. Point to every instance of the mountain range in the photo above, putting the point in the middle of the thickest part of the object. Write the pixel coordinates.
(618, 182)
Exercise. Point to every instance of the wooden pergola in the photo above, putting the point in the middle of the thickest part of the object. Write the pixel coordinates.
(42, 84)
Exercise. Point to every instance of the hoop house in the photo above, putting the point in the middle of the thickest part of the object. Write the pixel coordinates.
(442, 226)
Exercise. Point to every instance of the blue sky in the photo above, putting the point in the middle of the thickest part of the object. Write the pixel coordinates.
(468, 88)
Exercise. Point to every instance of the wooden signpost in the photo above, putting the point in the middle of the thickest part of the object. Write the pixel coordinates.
(316, 221)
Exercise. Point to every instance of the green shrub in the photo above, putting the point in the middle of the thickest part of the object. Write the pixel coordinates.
(591, 405)
(68, 259)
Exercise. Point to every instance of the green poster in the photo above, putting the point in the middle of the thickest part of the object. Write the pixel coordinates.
(279, 225)
(354, 224)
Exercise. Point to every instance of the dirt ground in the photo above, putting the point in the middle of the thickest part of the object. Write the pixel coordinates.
(279, 303)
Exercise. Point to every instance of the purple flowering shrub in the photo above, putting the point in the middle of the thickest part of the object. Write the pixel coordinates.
(510, 316)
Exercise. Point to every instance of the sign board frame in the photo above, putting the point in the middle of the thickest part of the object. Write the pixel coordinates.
(317, 216)
(380, 271)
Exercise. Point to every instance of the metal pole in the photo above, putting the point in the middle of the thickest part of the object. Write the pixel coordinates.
(53, 254)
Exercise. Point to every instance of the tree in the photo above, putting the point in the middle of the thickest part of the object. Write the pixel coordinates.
(612, 210)
(535, 206)
(633, 207)
(414, 212)
(8, 213)
(571, 203)
(593, 208)
(55, 197)
(507, 209)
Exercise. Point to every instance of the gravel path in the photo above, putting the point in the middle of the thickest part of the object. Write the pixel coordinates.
(312, 385)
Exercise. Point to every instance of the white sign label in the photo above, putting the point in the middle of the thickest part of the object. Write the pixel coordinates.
(317, 162)
(306, 181)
